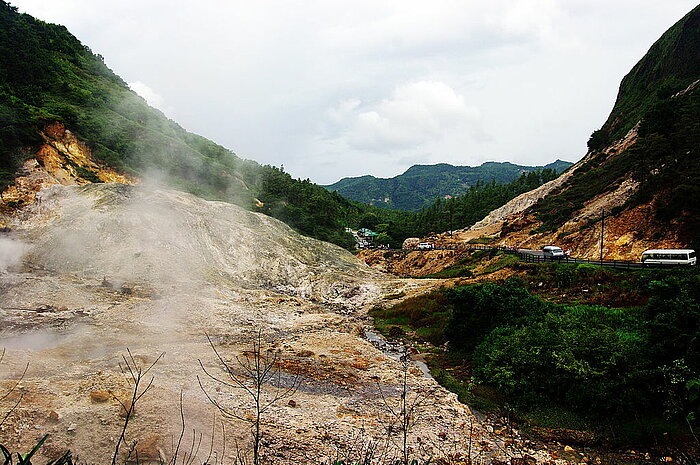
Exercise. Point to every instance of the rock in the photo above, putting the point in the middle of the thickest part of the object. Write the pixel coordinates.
(410, 243)
(71, 428)
(292, 403)
(149, 449)
(54, 417)
(98, 397)
(568, 449)
(124, 408)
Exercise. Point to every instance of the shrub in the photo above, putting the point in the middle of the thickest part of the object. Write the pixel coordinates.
(588, 358)
(477, 310)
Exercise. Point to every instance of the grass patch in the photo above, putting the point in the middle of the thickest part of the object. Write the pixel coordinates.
(454, 271)
(467, 392)
(425, 315)
(482, 240)
(503, 261)
(398, 295)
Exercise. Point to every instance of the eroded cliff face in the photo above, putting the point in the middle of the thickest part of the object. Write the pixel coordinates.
(627, 232)
(61, 160)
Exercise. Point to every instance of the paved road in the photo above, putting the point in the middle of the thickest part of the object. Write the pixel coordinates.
(537, 256)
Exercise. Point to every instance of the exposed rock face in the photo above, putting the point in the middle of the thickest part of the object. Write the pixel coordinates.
(527, 199)
(109, 267)
(62, 159)
(627, 233)
(410, 262)
(522, 202)
(155, 237)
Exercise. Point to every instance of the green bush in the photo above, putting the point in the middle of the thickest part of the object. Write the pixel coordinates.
(477, 310)
(587, 358)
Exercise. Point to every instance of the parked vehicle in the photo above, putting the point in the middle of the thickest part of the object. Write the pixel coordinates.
(426, 246)
(553, 252)
(669, 257)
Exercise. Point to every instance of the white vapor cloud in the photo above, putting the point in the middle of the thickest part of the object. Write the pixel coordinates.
(151, 97)
(11, 252)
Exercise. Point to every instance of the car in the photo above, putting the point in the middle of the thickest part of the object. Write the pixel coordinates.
(426, 246)
(553, 252)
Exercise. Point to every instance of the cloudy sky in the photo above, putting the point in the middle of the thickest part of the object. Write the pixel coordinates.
(332, 88)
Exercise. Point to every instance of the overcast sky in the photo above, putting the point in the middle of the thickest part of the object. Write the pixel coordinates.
(344, 88)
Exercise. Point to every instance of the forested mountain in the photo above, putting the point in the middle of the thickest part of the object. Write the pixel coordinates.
(420, 185)
(48, 76)
(449, 214)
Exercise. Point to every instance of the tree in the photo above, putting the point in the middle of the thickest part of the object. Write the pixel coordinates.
(405, 413)
(256, 372)
(369, 221)
(9, 393)
(135, 376)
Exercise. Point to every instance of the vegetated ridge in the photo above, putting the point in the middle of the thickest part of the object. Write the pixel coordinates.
(66, 118)
(457, 212)
(641, 173)
(420, 185)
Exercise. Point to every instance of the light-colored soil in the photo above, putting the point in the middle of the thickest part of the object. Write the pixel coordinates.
(106, 268)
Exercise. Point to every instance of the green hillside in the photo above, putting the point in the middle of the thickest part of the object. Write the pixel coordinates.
(662, 91)
(420, 185)
(47, 75)
(671, 64)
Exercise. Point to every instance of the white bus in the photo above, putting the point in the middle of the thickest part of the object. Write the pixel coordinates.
(669, 257)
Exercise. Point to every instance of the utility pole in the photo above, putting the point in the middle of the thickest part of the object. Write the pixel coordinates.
(602, 232)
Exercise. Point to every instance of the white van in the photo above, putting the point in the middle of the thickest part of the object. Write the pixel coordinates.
(669, 257)
(426, 246)
(552, 252)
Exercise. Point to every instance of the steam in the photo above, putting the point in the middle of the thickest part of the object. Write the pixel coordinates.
(11, 253)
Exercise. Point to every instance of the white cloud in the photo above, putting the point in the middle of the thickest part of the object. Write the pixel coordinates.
(259, 77)
(152, 98)
(531, 18)
(414, 114)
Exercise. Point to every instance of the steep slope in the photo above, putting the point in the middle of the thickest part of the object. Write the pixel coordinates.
(670, 65)
(645, 183)
(48, 78)
(420, 185)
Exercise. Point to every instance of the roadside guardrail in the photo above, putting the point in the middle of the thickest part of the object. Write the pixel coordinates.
(535, 256)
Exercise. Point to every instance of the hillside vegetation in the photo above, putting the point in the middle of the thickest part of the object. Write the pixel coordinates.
(449, 214)
(47, 75)
(642, 169)
(622, 347)
(420, 185)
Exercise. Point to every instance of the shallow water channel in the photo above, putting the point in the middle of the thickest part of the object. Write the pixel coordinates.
(395, 350)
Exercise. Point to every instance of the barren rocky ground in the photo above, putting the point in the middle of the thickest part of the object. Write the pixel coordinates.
(91, 271)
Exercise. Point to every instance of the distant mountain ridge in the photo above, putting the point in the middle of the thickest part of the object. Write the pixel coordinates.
(420, 185)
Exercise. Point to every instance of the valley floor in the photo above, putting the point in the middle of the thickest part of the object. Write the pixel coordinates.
(108, 270)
